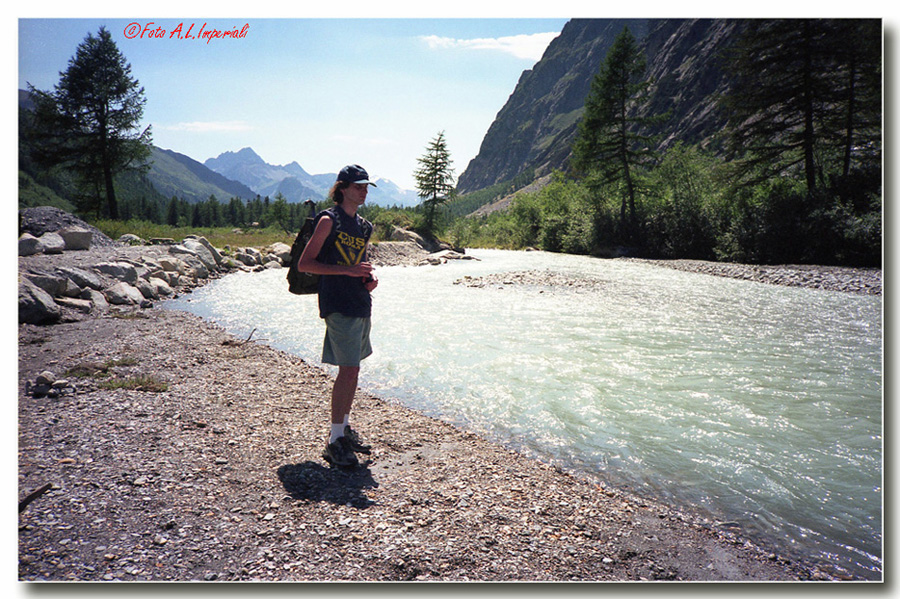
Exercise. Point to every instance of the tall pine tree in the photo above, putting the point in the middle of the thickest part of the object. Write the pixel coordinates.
(90, 123)
(434, 178)
(856, 125)
(609, 142)
(806, 97)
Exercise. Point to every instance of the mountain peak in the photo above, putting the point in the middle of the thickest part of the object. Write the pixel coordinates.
(248, 153)
(292, 181)
(245, 155)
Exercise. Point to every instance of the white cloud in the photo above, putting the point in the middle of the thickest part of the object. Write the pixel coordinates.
(208, 126)
(530, 46)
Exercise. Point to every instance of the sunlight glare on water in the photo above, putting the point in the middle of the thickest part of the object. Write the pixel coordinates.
(760, 404)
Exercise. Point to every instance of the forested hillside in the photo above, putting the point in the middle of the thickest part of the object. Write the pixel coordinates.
(742, 140)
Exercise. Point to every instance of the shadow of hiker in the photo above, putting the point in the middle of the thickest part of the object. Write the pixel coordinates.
(314, 482)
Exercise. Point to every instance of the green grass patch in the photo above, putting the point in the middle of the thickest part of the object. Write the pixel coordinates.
(103, 372)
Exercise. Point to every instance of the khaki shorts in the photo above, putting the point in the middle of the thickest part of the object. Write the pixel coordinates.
(346, 340)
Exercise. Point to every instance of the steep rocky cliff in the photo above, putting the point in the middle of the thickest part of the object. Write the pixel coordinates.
(538, 122)
(536, 127)
(685, 62)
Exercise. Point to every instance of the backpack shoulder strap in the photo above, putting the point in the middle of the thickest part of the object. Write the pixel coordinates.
(331, 213)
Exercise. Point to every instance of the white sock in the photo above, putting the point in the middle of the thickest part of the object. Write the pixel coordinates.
(346, 419)
(337, 431)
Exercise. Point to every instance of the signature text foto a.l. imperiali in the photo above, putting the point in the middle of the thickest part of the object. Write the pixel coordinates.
(183, 32)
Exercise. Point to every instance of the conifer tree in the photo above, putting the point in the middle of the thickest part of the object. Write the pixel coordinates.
(90, 123)
(806, 91)
(434, 178)
(857, 124)
(609, 142)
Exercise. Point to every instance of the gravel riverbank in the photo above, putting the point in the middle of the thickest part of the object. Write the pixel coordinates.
(863, 281)
(181, 453)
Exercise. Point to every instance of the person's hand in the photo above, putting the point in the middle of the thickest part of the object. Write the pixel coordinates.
(371, 283)
(362, 270)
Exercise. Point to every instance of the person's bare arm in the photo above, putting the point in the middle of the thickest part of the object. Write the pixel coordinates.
(372, 282)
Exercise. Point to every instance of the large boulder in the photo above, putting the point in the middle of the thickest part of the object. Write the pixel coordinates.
(193, 266)
(193, 247)
(123, 293)
(170, 277)
(29, 245)
(173, 264)
(76, 238)
(282, 250)
(147, 289)
(210, 248)
(53, 243)
(141, 270)
(161, 287)
(152, 268)
(81, 277)
(97, 299)
(130, 239)
(36, 306)
(53, 284)
(400, 234)
(82, 305)
(121, 271)
(257, 255)
(246, 258)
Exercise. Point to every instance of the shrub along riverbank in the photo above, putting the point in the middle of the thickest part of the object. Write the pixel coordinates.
(686, 211)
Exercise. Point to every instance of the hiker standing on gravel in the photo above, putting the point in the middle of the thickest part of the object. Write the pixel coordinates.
(337, 252)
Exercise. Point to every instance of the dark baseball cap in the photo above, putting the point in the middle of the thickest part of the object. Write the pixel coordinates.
(353, 173)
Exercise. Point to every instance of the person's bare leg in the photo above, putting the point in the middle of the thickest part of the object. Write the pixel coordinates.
(343, 392)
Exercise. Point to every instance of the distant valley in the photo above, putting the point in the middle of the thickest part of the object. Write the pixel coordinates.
(242, 174)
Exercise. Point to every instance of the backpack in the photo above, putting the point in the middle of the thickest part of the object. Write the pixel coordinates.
(303, 283)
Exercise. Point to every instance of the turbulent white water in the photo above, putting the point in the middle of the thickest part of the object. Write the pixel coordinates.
(760, 404)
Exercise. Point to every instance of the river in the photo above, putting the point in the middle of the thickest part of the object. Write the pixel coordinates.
(759, 405)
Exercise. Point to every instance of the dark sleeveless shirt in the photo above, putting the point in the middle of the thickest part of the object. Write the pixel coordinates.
(346, 245)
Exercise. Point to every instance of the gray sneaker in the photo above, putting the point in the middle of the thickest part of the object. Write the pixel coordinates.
(340, 453)
(356, 444)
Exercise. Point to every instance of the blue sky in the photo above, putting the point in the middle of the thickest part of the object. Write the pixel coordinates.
(322, 91)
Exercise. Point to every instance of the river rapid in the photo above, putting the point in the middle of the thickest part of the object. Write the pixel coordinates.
(757, 404)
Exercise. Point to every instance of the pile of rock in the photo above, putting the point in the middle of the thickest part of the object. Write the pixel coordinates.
(47, 293)
(55, 242)
(62, 278)
(274, 256)
(861, 281)
(541, 280)
(47, 384)
(443, 256)
(436, 252)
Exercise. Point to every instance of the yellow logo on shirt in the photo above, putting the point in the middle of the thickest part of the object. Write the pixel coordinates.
(350, 248)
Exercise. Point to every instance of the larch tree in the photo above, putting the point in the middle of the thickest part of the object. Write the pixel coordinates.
(609, 144)
(806, 97)
(434, 178)
(90, 123)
